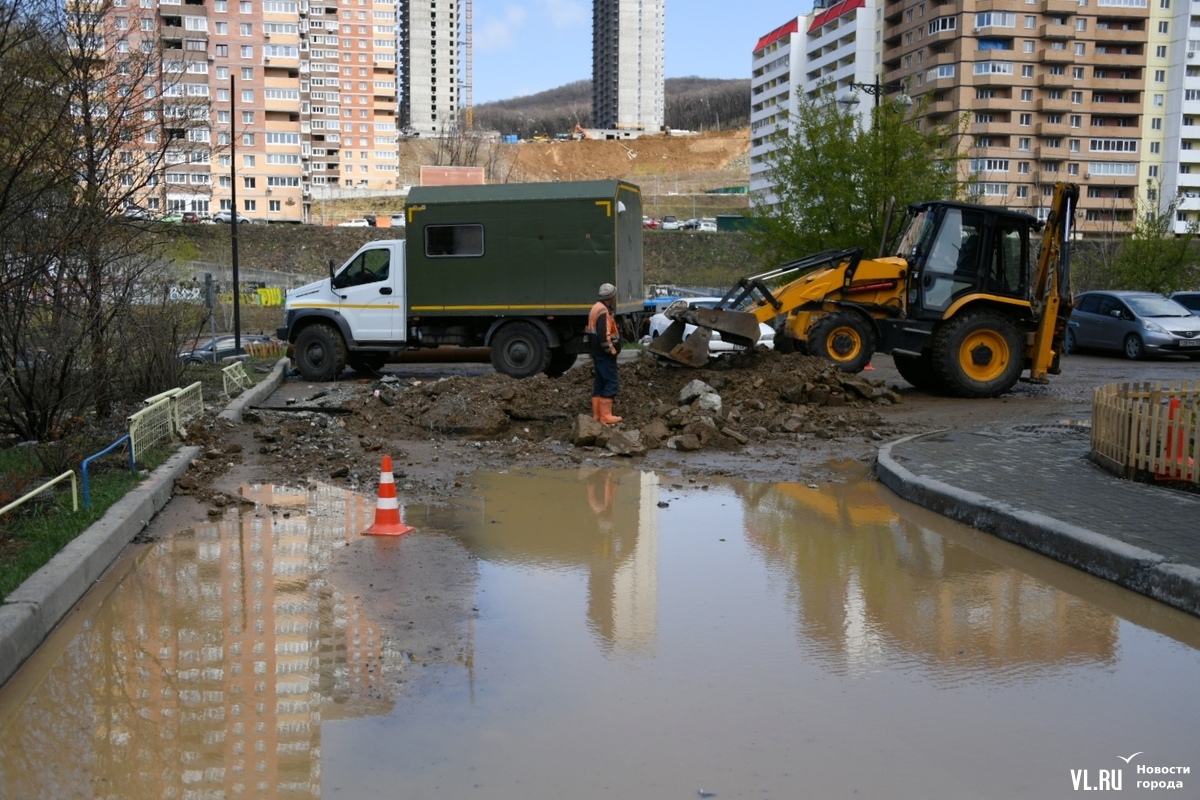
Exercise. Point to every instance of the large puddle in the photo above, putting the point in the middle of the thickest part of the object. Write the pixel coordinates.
(603, 634)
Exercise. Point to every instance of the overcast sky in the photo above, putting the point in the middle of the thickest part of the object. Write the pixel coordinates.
(527, 46)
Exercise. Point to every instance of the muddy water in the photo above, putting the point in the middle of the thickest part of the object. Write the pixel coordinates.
(602, 634)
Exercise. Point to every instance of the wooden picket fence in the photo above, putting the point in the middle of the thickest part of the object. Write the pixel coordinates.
(1147, 428)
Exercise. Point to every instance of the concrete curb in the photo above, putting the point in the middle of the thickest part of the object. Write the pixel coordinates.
(29, 614)
(233, 412)
(1133, 567)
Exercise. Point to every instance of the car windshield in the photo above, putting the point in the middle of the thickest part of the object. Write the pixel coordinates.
(1156, 307)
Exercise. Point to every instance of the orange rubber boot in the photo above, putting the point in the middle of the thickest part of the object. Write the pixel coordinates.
(596, 408)
(606, 415)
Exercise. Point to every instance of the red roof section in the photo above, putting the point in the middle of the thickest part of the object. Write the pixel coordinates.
(830, 14)
(778, 33)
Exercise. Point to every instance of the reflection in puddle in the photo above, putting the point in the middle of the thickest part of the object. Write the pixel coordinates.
(604, 633)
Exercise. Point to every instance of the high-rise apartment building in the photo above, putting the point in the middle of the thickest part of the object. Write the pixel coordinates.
(1054, 90)
(628, 43)
(826, 53)
(430, 65)
(287, 97)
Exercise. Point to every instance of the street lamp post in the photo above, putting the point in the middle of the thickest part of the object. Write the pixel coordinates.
(876, 90)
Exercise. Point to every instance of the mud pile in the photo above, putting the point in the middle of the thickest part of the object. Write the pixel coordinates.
(759, 396)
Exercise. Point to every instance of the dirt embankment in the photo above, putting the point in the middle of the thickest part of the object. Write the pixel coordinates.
(439, 431)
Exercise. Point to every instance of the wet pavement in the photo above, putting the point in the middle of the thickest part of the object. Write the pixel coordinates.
(600, 633)
(1032, 483)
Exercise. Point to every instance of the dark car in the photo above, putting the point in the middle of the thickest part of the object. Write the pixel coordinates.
(1189, 300)
(190, 216)
(1134, 323)
(221, 347)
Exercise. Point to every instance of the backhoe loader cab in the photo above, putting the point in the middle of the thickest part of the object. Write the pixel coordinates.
(963, 308)
(954, 249)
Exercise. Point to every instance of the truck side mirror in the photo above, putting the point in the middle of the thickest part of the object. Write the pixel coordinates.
(332, 266)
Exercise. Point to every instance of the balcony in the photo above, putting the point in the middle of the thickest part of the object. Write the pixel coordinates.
(1060, 104)
(1054, 81)
(1056, 57)
(1057, 32)
(1060, 8)
(1118, 36)
(1057, 129)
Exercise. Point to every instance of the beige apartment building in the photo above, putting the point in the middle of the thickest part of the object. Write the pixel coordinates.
(300, 99)
(1053, 89)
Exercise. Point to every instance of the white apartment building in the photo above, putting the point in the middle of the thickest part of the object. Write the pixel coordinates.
(1173, 58)
(827, 51)
(431, 65)
(628, 67)
(771, 102)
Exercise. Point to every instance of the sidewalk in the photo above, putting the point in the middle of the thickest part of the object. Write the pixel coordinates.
(1034, 485)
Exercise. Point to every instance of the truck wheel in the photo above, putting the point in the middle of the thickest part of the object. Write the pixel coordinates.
(977, 354)
(560, 362)
(844, 338)
(320, 353)
(519, 350)
(917, 370)
(367, 363)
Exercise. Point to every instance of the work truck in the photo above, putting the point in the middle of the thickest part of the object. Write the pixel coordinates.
(512, 267)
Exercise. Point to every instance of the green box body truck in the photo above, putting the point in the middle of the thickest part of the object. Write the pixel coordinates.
(513, 267)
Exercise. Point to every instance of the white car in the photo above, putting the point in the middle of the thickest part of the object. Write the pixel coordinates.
(670, 223)
(660, 322)
(708, 226)
(224, 215)
(354, 223)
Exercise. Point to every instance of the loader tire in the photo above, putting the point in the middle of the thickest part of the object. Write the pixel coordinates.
(977, 354)
(320, 353)
(845, 338)
(519, 350)
(917, 370)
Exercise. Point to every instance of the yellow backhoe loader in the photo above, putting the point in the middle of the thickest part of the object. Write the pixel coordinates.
(964, 307)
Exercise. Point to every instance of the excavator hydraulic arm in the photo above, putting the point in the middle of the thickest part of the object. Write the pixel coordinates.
(1051, 296)
(757, 303)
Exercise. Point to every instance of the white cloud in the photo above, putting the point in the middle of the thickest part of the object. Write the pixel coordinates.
(498, 34)
(566, 13)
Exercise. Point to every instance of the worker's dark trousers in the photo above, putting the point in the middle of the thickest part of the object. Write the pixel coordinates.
(605, 383)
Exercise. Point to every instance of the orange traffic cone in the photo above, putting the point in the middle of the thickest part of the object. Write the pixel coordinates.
(868, 367)
(387, 509)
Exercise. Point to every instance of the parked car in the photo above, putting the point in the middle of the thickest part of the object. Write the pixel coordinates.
(1189, 300)
(171, 216)
(190, 216)
(1134, 323)
(219, 347)
(398, 221)
(650, 222)
(354, 223)
(707, 226)
(670, 222)
(225, 214)
(137, 212)
(689, 225)
(660, 322)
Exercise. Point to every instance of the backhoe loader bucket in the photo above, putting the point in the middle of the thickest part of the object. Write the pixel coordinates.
(735, 327)
(691, 352)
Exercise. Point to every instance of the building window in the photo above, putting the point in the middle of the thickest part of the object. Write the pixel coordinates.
(1153, 171)
(1027, 95)
(1026, 120)
(1160, 51)
(1156, 124)
(1163, 27)
(1027, 71)
(1023, 143)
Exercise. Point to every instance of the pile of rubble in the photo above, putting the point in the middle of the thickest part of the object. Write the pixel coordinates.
(747, 397)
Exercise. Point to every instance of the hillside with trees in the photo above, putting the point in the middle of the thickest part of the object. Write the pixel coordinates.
(698, 104)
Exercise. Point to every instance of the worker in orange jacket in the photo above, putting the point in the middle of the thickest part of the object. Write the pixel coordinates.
(604, 342)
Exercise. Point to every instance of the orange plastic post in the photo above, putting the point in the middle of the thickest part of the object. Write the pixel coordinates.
(387, 508)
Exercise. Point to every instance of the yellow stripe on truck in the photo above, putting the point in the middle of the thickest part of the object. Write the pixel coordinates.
(498, 308)
(375, 306)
